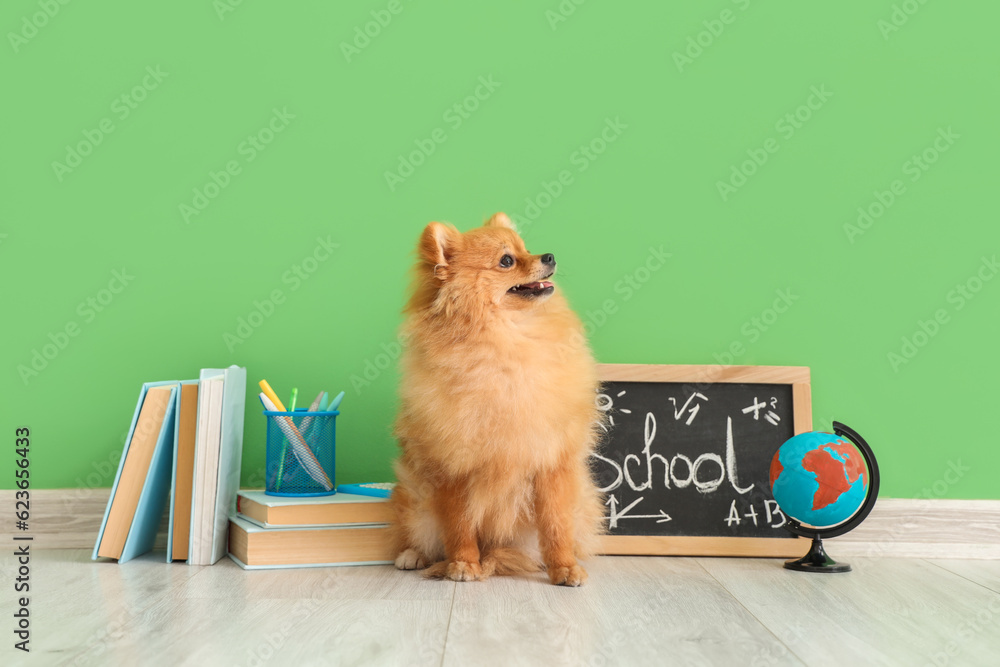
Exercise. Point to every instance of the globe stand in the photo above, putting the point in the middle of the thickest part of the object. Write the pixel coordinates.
(817, 560)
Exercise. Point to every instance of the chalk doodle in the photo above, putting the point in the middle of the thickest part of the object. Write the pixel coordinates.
(682, 460)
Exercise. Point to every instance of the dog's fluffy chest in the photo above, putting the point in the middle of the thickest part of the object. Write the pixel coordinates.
(507, 395)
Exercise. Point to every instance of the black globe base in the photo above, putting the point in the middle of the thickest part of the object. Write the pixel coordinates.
(817, 561)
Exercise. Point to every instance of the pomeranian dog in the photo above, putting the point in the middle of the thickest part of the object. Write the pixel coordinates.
(497, 417)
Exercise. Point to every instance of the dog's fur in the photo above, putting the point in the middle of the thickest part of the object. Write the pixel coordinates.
(497, 417)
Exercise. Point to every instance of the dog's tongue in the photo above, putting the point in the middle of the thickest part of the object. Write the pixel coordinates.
(541, 284)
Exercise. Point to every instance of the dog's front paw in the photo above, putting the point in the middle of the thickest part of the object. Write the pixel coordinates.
(573, 575)
(411, 559)
(462, 570)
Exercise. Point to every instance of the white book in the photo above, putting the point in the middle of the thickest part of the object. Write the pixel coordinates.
(209, 404)
(218, 457)
(229, 461)
(212, 443)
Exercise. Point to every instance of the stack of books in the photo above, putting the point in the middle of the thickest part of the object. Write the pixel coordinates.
(279, 532)
(184, 445)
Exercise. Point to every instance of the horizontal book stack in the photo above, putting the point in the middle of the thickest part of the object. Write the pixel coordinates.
(281, 532)
(182, 453)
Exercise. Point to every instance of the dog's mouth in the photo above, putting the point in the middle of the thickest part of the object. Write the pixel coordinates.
(534, 289)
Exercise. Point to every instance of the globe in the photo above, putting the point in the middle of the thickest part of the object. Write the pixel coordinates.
(819, 479)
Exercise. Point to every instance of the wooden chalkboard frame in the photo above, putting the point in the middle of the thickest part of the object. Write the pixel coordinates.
(660, 545)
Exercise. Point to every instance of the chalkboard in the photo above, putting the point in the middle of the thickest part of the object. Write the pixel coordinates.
(685, 455)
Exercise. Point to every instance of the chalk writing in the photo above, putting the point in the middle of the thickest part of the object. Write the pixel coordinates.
(681, 461)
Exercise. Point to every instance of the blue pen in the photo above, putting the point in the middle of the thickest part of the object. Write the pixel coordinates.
(335, 403)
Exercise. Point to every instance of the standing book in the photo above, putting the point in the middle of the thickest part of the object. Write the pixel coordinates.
(221, 405)
(142, 483)
(186, 423)
(206, 465)
(209, 400)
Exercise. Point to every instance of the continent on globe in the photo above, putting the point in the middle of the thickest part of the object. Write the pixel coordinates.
(836, 471)
(776, 468)
(819, 479)
(854, 464)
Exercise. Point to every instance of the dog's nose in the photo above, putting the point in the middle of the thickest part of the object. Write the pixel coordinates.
(549, 259)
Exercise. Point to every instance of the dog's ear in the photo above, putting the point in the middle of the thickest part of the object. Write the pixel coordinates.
(438, 244)
(501, 220)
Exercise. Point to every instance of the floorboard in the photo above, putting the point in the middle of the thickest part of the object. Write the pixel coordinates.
(983, 572)
(886, 612)
(632, 611)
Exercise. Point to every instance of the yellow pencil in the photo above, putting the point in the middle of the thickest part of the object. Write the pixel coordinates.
(266, 388)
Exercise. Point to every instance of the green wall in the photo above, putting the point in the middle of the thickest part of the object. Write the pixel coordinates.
(614, 123)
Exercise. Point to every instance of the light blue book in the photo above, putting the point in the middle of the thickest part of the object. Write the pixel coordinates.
(155, 488)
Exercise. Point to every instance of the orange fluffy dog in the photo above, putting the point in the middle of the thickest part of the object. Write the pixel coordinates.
(497, 417)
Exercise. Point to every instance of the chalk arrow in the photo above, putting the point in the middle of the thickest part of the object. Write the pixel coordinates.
(613, 517)
(662, 517)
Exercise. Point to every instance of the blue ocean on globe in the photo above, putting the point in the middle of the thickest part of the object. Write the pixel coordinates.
(819, 479)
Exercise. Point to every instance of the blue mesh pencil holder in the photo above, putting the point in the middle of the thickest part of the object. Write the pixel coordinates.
(301, 449)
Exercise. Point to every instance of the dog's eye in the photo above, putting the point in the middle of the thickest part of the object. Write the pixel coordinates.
(506, 261)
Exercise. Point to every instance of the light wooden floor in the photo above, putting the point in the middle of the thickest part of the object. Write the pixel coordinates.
(633, 611)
